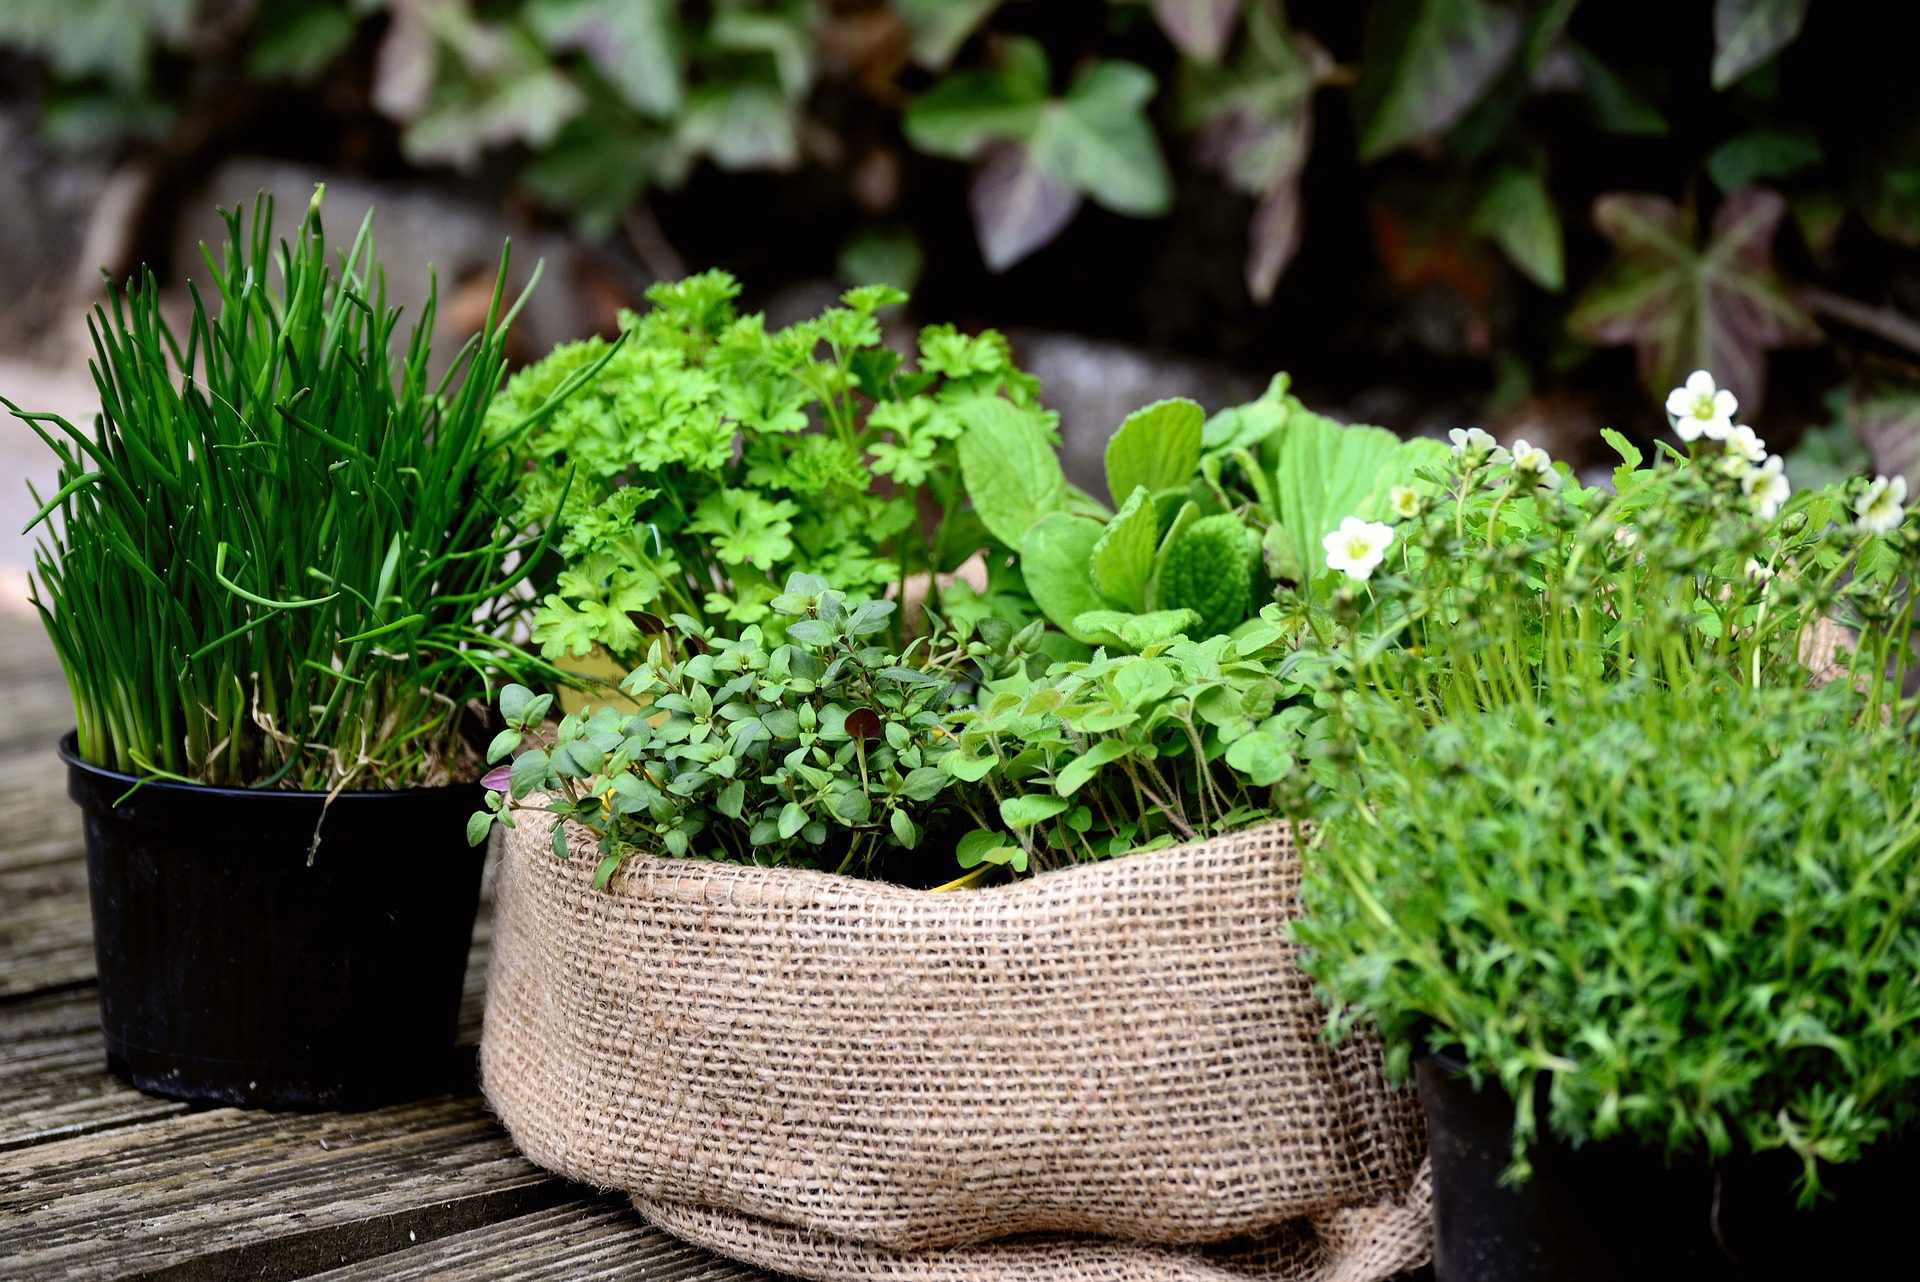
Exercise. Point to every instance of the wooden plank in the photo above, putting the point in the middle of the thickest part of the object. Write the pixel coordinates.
(584, 1239)
(54, 1082)
(230, 1194)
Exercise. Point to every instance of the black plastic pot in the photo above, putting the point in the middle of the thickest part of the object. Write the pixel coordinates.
(1614, 1211)
(233, 970)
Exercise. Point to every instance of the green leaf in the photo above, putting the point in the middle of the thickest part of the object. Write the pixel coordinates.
(630, 42)
(1098, 140)
(1209, 570)
(1077, 773)
(1684, 307)
(1132, 631)
(1019, 813)
(1054, 559)
(1158, 447)
(1122, 559)
(1324, 472)
(503, 743)
(515, 701)
(792, 819)
(740, 127)
(937, 28)
(1140, 683)
(1748, 32)
(1615, 106)
(1423, 63)
(1261, 757)
(1765, 155)
(529, 773)
(904, 830)
(982, 847)
(1011, 472)
(603, 872)
(1630, 455)
(479, 824)
(964, 112)
(1520, 217)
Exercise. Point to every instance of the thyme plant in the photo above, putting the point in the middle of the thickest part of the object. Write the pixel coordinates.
(281, 557)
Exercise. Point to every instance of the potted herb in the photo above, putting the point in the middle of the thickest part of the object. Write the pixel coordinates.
(1635, 893)
(952, 949)
(275, 572)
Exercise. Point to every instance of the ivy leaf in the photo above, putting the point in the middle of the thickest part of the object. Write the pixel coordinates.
(1519, 215)
(1748, 32)
(1684, 307)
(1763, 155)
(1423, 64)
(1615, 106)
(630, 42)
(962, 114)
(1012, 474)
(741, 127)
(1122, 558)
(1017, 207)
(1054, 559)
(1199, 28)
(1156, 447)
(1098, 140)
(937, 28)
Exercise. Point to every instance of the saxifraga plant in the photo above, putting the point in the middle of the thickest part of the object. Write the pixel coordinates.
(280, 560)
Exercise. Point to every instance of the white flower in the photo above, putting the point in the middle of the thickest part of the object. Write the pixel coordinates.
(1357, 547)
(1531, 460)
(1882, 507)
(1758, 572)
(1404, 501)
(1766, 487)
(1699, 408)
(1624, 536)
(1742, 443)
(1472, 444)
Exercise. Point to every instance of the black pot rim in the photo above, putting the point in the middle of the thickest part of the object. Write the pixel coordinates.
(69, 750)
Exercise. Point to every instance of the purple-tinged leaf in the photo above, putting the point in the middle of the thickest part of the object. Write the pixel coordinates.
(1273, 236)
(1016, 207)
(1887, 421)
(1748, 32)
(497, 779)
(1200, 28)
(1681, 306)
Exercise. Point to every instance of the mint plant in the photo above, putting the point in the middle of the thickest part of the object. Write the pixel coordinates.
(821, 751)
(709, 459)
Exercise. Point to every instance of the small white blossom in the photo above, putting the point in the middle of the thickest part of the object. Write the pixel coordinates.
(1742, 443)
(1404, 502)
(1882, 507)
(1531, 460)
(1357, 547)
(1472, 444)
(1699, 408)
(1758, 571)
(1766, 487)
(1625, 537)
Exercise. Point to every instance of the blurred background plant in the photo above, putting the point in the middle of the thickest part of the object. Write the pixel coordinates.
(1520, 215)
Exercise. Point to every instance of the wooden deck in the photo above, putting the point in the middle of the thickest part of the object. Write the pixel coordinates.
(100, 1181)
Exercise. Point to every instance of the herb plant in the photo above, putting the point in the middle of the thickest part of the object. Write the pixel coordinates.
(710, 459)
(820, 751)
(1127, 752)
(281, 558)
(1211, 513)
(1694, 916)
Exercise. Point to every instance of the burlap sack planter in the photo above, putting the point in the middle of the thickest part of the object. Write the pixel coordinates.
(1111, 1071)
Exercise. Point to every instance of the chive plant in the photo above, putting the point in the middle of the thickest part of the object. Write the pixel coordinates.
(281, 558)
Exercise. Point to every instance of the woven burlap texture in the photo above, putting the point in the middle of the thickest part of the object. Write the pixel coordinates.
(1112, 1071)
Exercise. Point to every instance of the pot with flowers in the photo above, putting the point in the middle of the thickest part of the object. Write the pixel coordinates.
(276, 571)
(1626, 867)
(864, 942)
